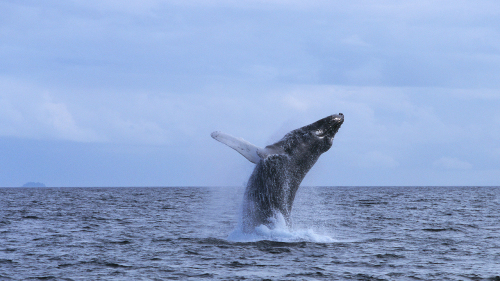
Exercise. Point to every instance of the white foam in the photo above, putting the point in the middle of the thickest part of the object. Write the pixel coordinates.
(278, 231)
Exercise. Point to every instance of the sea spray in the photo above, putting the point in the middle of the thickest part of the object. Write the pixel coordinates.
(277, 231)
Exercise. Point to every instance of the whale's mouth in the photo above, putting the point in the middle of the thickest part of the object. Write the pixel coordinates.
(331, 126)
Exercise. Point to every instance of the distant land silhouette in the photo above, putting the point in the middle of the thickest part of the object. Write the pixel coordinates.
(33, 184)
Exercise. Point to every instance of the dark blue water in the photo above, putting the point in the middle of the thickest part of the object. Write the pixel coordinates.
(351, 233)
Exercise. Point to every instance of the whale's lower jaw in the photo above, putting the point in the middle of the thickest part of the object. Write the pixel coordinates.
(333, 129)
(330, 131)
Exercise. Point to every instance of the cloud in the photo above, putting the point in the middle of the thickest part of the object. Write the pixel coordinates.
(384, 128)
(157, 44)
(375, 116)
(377, 159)
(370, 73)
(296, 103)
(452, 163)
(354, 40)
(59, 122)
(123, 6)
(414, 80)
(30, 112)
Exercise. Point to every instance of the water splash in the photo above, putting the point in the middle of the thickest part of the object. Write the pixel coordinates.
(279, 232)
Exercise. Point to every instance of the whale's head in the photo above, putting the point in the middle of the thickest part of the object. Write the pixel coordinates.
(312, 139)
(320, 134)
(326, 128)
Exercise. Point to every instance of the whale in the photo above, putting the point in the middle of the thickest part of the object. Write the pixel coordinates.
(280, 168)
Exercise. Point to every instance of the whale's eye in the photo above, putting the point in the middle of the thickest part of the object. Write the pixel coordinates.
(318, 133)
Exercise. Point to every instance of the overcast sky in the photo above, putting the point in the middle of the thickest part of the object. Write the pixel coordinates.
(126, 93)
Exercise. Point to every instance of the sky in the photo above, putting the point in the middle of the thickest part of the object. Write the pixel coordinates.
(126, 93)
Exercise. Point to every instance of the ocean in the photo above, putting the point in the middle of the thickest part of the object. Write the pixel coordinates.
(192, 233)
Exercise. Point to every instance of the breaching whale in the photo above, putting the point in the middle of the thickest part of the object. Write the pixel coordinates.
(280, 169)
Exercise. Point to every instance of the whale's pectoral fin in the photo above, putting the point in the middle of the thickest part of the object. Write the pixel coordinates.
(248, 150)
